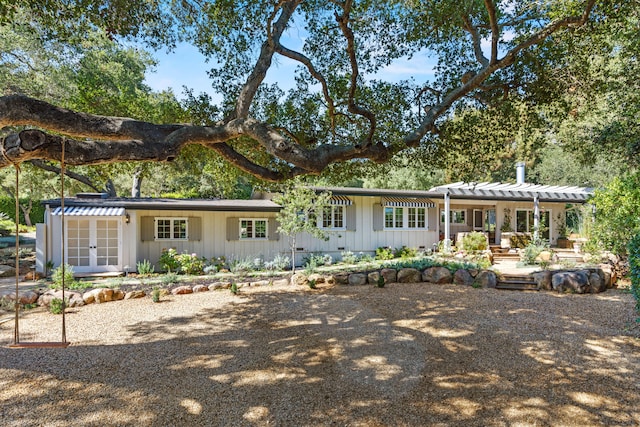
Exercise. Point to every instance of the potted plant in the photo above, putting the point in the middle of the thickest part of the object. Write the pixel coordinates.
(506, 231)
(561, 226)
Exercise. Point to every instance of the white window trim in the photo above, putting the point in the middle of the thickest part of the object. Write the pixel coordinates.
(530, 226)
(405, 218)
(451, 211)
(172, 219)
(253, 220)
(332, 227)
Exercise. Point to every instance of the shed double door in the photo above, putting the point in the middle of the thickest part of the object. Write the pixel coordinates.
(93, 244)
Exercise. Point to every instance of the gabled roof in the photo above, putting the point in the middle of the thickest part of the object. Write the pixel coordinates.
(515, 192)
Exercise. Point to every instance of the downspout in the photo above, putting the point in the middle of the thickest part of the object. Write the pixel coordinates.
(447, 218)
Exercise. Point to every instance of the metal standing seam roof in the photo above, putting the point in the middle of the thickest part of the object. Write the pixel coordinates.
(501, 191)
(89, 211)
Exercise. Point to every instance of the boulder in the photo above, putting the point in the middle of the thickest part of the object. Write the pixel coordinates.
(463, 277)
(220, 285)
(34, 275)
(98, 296)
(24, 297)
(7, 271)
(260, 283)
(437, 275)
(543, 280)
(373, 277)
(596, 282)
(330, 280)
(118, 294)
(74, 299)
(576, 281)
(390, 275)
(299, 279)
(473, 272)
(486, 279)
(357, 279)
(200, 288)
(342, 278)
(182, 290)
(134, 294)
(608, 274)
(409, 275)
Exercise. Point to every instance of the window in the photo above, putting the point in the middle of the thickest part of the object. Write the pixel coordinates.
(525, 221)
(417, 217)
(457, 216)
(253, 228)
(405, 218)
(333, 217)
(171, 229)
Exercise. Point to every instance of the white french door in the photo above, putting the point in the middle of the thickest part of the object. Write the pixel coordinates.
(93, 244)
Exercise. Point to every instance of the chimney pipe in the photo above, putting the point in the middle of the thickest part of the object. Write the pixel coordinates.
(520, 173)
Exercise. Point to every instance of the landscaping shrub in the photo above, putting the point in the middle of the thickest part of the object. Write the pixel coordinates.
(520, 240)
(145, 267)
(531, 252)
(279, 263)
(242, 265)
(169, 260)
(191, 264)
(633, 249)
(57, 305)
(69, 281)
(475, 241)
(348, 257)
(405, 252)
(383, 253)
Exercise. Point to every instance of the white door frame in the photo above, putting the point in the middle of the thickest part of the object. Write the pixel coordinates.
(92, 252)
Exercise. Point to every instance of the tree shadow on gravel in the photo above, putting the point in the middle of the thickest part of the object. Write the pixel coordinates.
(343, 357)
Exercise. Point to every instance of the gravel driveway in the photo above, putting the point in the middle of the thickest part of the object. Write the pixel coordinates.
(404, 355)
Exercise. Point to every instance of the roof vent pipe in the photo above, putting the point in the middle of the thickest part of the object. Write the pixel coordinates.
(520, 173)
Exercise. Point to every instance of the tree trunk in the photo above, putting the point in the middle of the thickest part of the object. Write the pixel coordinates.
(136, 186)
(110, 188)
(26, 211)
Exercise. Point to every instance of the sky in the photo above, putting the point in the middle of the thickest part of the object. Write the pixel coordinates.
(185, 66)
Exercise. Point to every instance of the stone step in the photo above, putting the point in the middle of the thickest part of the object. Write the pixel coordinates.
(516, 282)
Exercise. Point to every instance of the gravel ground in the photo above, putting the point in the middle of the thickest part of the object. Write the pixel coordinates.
(404, 355)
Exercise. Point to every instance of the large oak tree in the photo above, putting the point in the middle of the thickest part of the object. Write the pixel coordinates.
(339, 111)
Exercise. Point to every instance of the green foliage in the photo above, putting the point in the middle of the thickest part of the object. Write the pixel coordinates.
(312, 284)
(191, 264)
(348, 257)
(279, 263)
(155, 294)
(8, 206)
(58, 275)
(145, 267)
(57, 305)
(241, 266)
(634, 264)
(405, 252)
(531, 252)
(520, 240)
(170, 278)
(301, 208)
(380, 282)
(475, 241)
(234, 288)
(169, 260)
(617, 213)
(383, 253)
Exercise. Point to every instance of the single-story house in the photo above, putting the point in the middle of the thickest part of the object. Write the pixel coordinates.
(105, 234)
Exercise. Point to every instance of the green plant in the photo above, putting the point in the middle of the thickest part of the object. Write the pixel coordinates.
(145, 267)
(190, 263)
(383, 253)
(348, 257)
(57, 305)
(633, 249)
(380, 282)
(234, 288)
(58, 275)
(170, 278)
(365, 258)
(312, 284)
(530, 253)
(169, 260)
(241, 266)
(475, 241)
(520, 240)
(506, 223)
(48, 267)
(155, 294)
(405, 252)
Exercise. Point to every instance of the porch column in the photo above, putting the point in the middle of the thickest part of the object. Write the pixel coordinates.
(536, 218)
(447, 218)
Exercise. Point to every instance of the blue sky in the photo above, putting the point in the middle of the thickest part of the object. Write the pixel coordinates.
(185, 66)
